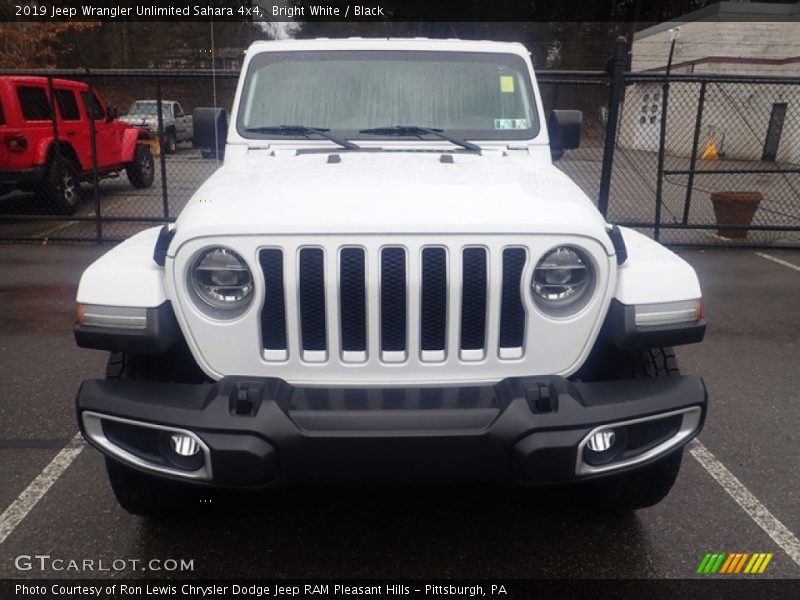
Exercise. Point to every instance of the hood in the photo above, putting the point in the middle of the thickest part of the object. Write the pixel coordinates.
(388, 193)
(148, 120)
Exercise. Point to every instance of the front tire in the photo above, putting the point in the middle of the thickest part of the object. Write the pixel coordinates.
(141, 171)
(647, 485)
(140, 493)
(170, 142)
(147, 496)
(642, 488)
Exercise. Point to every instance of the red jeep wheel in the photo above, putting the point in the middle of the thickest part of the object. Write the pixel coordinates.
(61, 187)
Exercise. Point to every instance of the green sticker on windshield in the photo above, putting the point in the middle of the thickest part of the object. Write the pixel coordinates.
(507, 84)
(511, 124)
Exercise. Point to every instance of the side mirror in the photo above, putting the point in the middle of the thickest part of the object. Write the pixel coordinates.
(564, 129)
(210, 130)
(112, 112)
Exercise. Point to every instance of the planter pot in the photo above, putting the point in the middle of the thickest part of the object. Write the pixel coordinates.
(735, 208)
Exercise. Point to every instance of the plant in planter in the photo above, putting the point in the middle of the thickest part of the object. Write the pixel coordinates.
(735, 208)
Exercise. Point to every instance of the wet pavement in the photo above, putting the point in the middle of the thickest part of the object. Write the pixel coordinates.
(749, 361)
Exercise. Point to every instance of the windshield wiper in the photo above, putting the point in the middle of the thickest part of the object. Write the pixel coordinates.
(306, 131)
(419, 132)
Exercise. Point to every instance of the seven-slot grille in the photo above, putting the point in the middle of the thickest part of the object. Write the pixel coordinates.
(412, 290)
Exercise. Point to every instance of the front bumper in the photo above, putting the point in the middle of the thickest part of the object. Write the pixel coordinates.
(265, 432)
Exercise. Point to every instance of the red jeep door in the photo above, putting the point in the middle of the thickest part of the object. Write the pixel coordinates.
(73, 126)
(109, 137)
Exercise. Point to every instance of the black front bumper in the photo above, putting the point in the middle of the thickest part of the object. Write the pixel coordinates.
(265, 432)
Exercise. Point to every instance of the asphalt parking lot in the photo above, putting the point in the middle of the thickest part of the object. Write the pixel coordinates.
(737, 492)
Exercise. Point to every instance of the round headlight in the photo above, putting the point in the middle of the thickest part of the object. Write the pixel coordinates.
(222, 280)
(563, 281)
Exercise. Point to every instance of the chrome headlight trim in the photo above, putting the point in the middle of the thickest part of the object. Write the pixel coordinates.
(564, 280)
(220, 282)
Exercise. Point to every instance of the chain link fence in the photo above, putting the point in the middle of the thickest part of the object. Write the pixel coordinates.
(588, 92)
(731, 160)
(722, 169)
(111, 206)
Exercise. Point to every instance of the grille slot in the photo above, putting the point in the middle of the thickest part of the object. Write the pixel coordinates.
(393, 300)
(433, 317)
(273, 315)
(312, 300)
(512, 311)
(353, 299)
(473, 301)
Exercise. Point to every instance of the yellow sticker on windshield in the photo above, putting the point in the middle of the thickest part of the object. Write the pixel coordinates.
(507, 84)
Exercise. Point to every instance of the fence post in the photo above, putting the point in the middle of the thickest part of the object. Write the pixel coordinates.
(616, 67)
(54, 122)
(695, 142)
(162, 150)
(95, 175)
(662, 142)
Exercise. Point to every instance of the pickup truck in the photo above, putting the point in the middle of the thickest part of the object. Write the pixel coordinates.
(389, 280)
(177, 124)
(46, 142)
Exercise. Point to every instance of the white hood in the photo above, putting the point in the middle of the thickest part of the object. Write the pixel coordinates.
(388, 193)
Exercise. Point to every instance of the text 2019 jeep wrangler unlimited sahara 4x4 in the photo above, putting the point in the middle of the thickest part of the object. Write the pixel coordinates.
(51, 156)
(361, 293)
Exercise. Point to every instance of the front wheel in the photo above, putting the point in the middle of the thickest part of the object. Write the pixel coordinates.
(147, 496)
(170, 142)
(141, 171)
(140, 493)
(647, 485)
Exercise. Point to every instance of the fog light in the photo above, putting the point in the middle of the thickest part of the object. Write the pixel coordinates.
(605, 446)
(602, 440)
(183, 445)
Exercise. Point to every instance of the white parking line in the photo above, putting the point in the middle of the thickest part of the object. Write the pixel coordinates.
(775, 259)
(23, 504)
(759, 513)
(52, 230)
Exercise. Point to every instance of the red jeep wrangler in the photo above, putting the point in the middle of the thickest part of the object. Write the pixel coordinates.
(52, 156)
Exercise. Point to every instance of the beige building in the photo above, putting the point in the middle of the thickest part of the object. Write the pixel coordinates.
(744, 121)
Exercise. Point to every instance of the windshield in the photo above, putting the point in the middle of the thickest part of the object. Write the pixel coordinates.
(483, 96)
(143, 108)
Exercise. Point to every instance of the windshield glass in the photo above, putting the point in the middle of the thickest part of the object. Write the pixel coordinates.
(483, 96)
(143, 108)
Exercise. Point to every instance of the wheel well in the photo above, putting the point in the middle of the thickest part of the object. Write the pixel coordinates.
(66, 150)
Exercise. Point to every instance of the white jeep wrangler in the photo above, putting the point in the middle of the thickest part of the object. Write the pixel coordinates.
(388, 279)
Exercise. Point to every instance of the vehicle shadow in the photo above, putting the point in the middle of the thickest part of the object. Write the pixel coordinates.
(22, 203)
(409, 532)
(29, 203)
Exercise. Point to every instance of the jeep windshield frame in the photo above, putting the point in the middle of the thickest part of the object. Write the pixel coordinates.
(481, 96)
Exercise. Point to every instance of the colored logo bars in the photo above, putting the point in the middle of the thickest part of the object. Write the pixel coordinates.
(735, 562)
